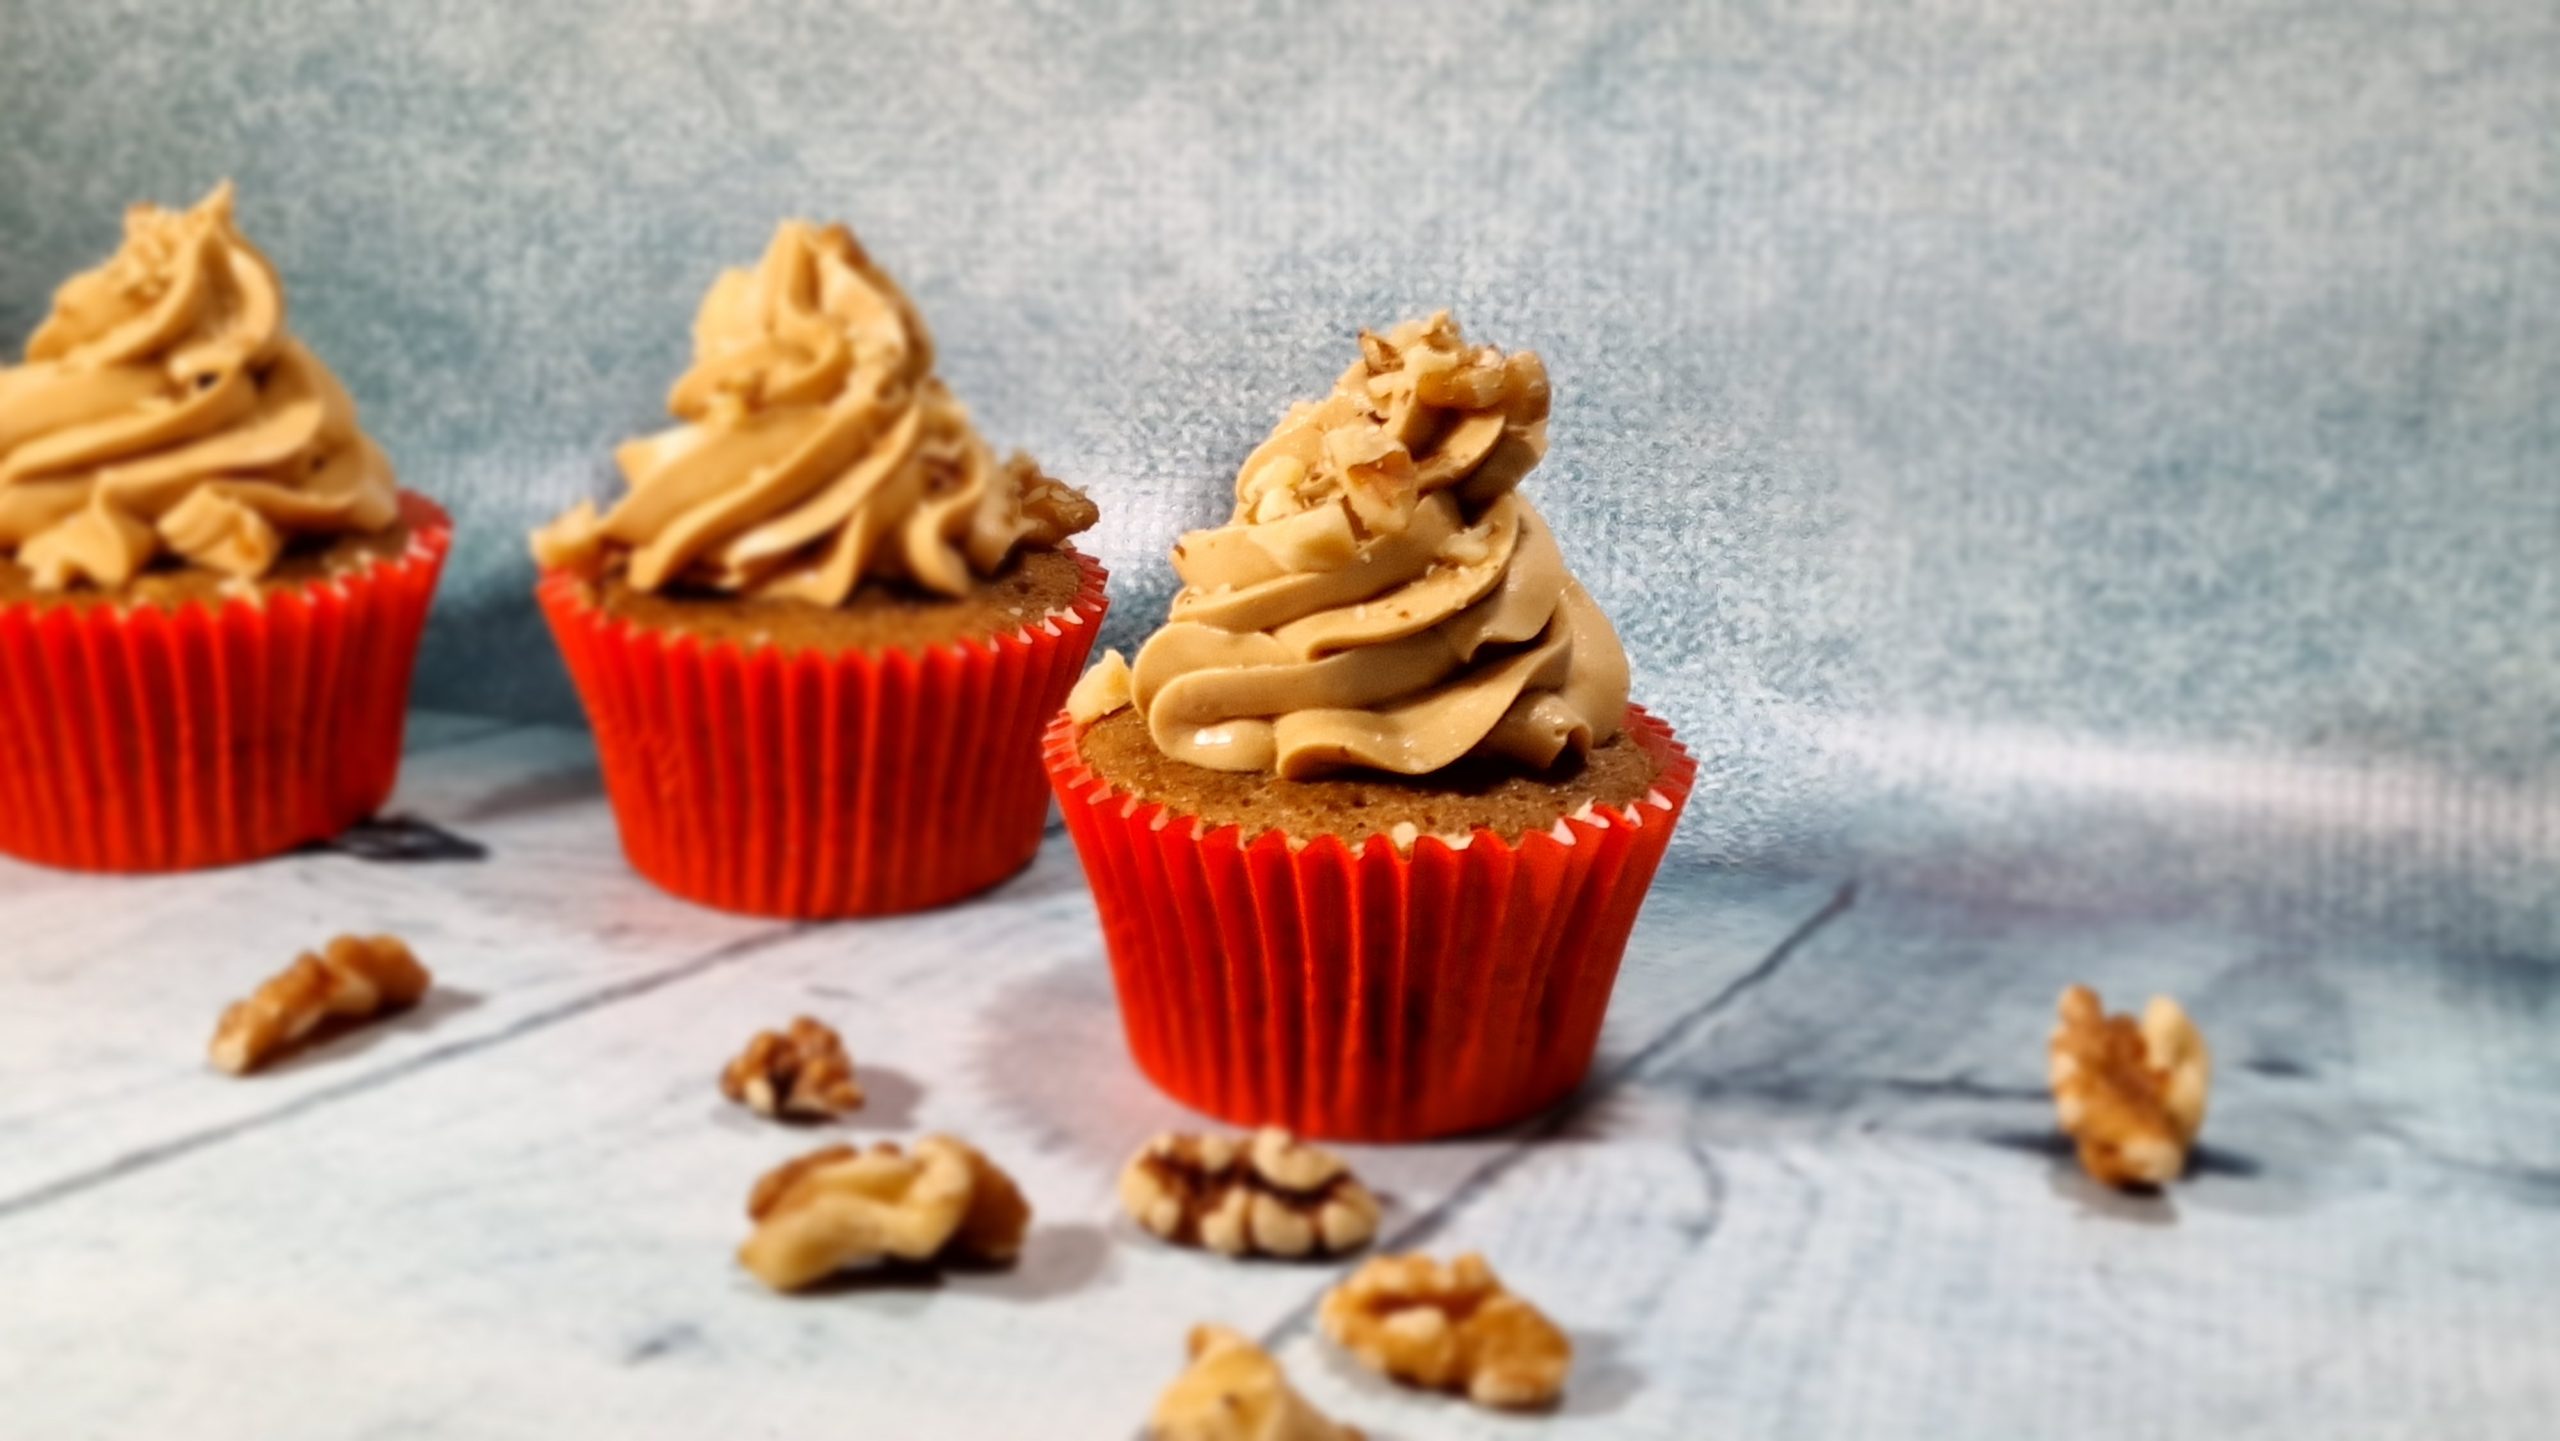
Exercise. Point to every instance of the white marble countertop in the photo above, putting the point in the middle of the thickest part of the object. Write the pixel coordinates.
(1812, 1190)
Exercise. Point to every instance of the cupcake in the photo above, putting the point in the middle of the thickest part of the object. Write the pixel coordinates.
(211, 586)
(1370, 818)
(819, 635)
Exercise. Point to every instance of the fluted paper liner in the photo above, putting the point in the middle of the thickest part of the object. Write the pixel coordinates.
(140, 738)
(1365, 993)
(808, 784)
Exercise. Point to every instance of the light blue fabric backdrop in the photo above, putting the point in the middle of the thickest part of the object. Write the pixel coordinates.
(2094, 452)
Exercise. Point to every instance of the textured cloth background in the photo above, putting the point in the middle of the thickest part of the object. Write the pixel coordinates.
(2095, 452)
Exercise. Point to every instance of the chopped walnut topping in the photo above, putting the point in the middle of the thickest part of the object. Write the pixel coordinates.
(1100, 690)
(1267, 1195)
(838, 1208)
(1054, 508)
(799, 1074)
(2131, 1094)
(1448, 1328)
(1421, 412)
(354, 978)
(1234, 1391)
(575, 541)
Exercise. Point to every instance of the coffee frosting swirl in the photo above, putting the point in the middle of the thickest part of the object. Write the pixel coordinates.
(818, 450)
(1384, 599)
(164, 409)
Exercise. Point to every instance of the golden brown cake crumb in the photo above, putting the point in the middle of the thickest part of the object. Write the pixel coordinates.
(838, 1208)
(802, 1074)
(2131, 1094)
(1235, 1391)
(355, 978)
(1263, 1195)
(1036, 584)
(169, 584)
(1453, 802)
(1448, 1328)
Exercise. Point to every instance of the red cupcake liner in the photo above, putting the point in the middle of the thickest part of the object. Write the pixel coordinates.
(1365, 993)
(809, 785)
(146, 739)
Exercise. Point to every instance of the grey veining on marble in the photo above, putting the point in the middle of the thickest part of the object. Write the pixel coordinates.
(1812, 1191)
(2139, 388)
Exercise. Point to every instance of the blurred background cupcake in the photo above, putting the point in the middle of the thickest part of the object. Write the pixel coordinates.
(211, 586)
(1370, 818)
(818, 637)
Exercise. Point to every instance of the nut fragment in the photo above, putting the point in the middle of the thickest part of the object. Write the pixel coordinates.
(839, 1207)
(1100, 690)
(1267, 1195)
(575, 541)
(801, 1074)
(2131, 1094)
(353, 978)
(1234, 1391)
(1448, 1328)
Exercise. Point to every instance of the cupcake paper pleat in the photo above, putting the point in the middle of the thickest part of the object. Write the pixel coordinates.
(138, 738)
(807, 784)
(1365, 993)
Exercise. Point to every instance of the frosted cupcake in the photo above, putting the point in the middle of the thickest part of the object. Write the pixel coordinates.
(819, 635)
(1370, 818)
(211, 585)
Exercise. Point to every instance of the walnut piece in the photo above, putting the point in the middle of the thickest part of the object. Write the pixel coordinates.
(838, 1208)
(1265, 1195)
(1448, 1328)
(2131, 1094)
(573, 542)
(1234, 1391)
(799, 1074)
(353, 978)
(1102, 689)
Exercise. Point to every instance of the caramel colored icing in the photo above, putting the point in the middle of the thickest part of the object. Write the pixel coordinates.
(817, 451)
(1384, 599)
(164, 410)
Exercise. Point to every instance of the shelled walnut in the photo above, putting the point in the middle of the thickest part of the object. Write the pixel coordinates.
(353, 978)
(1234, 1391)
(838, 1208)
(1264, 1195)
(803, 1073)
(2130, 1094)
(1448, 1328)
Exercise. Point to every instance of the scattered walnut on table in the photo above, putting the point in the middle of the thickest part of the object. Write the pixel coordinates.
(1234, 1391)
(800, 1074)
(838, 1208)
(1264, 1195)
(353, 978)
(1448, 1328)
(2130, 1093)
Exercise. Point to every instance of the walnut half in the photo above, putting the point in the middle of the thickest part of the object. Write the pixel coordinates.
(1267, 1195)
(800, 1074)
(1448, 1328)
(1234, 1391)
(2130, 1094)
(839, 1207)
(353, 978)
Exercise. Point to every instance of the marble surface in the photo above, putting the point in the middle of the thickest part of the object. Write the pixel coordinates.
(1812, 1190)
(2137, 387)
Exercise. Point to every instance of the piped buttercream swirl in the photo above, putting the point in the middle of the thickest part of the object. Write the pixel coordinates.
(817, 450)
(1384, 598)
(164, 410)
